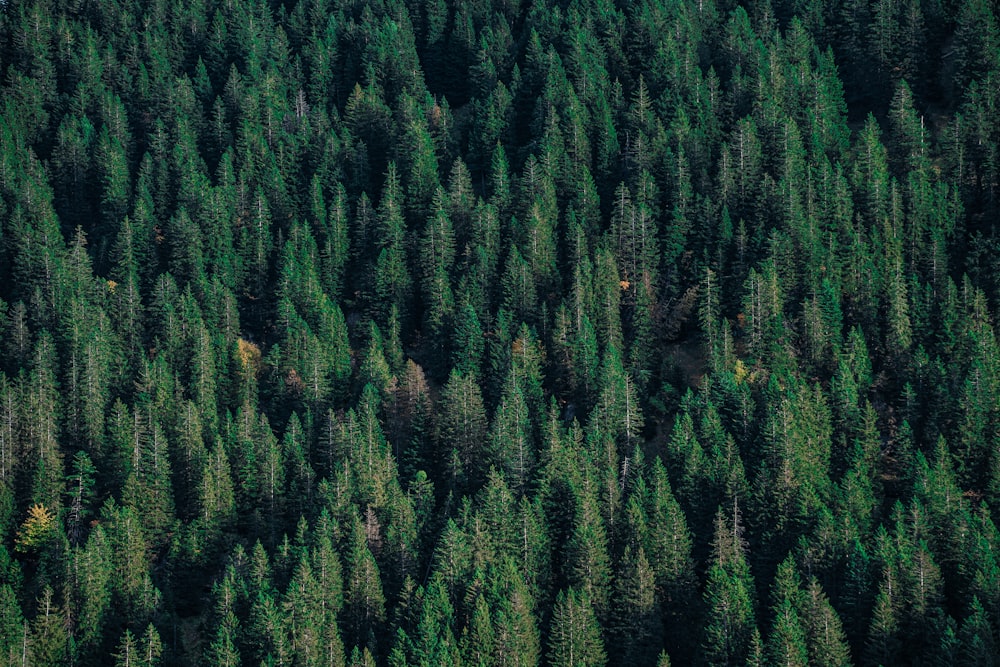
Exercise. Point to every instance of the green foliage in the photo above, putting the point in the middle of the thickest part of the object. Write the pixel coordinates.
(366, 333)
(729, 594)
(575, 635)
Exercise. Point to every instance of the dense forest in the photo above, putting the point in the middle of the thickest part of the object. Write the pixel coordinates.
(552, 332)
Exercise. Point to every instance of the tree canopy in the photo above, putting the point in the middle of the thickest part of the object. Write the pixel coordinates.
(409, 332)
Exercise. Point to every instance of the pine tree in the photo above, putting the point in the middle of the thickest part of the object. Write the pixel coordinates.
(729, 594)
(461, 431)
(224, 649)
(144, 651)
(478, 641)
(468, 348)
(669, 545)
(512, 448)
(14, 629)
(976, 638)
(824, 632)
(364, 600)
(586, 561)
(40, 425)
(617, 414)
(575, 636)
(48, 641)
(786, 644)
(81, 492)
(148, 489)
(976, 37)
(216, 497)
(134, 596)
(433, 641)
(634, 618)
(309, 621)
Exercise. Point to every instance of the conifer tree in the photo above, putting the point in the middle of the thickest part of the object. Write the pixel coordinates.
(462, 428)
(635, 622)
(575, 636)
(364, 599)
(729, 594)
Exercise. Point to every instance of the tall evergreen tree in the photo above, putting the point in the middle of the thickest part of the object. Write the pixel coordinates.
(575, 636)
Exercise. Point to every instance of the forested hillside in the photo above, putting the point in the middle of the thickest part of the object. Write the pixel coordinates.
(565, 332)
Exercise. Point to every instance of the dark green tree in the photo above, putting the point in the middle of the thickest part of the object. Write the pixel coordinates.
(575, 636)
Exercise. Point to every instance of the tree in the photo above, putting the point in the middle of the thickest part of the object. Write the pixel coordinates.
(534, 230)
(40, 425)
(729, 594)
(216, 497)
(437, 255)
(786, 644)
(48, 642)
(669, 545)
(824, 633)
(607, 298)
(91, 591)
(299, 476)
(254, 246)
(433, 641)
(134, 596)
(575, 636)
(586, 562)
(422, 182)
(461, 431)
(310, 619)
(478, 641)
(126, 308)
(364, 600)
(145, 651)
(494, 533)
(224, 650)
(634, 623)
(518, 287)
(391, 281)
(976, 37)
(38, 528)
(883, 641)
(617, 414)
(975, 637)
(512, 448)
(871, 175)
(13, 629)
(148, 489)
(81, 493)
(795, 475)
